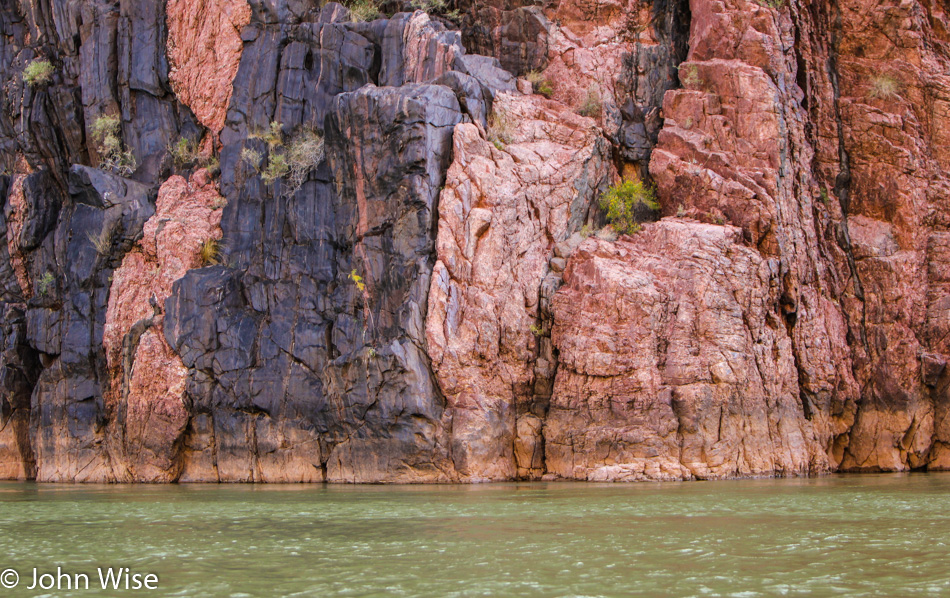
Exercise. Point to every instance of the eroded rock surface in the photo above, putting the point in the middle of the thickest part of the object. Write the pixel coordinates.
(147, 378)
(204, 48)
(673, 363)
(501, 213)
(416, 301)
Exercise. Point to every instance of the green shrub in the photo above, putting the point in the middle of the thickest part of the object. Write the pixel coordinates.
(295, 159)
(436, 7)
(499, 129)
(363, 10)
(38, 72)
(112, 154)
(184, 152)
(252, 158)
(776, 4)
(277, 167)
(540, 84)
(45, 284)
(627, 205)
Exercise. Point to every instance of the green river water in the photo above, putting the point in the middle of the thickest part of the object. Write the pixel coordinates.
(883, 535)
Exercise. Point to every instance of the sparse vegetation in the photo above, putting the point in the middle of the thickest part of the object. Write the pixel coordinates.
(884, 87)
(277, 167)
(112, 153)
(102, 241)
(38, 72)
(540, 84)
(537, 330)
(627, 205)
(689, 75)
(358, 281)
(210, 253)
(825, 198)
(680, 211)
(592, 106)
(185, 154)
(439, 7)
(45, 284)
(363, 10)
(252, 158)
(499, 129)
(776, 4)
(609, 234)
(305, 152)
(586, 231)
(295, 159)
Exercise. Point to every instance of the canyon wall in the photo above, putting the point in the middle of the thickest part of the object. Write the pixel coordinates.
(269, 241)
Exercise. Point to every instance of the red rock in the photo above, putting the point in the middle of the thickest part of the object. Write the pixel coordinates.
(204, 50)
(673, 364)
(501, 213)
(147, 377)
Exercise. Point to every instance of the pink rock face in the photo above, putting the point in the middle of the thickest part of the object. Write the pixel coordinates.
(147, 377)
(204, 49)
(14, 217)
(673, 364)
(734, 149)
(587, 44)
(840, 182)
(501, 213)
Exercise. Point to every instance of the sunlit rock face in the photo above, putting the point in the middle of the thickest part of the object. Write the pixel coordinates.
(423, 294)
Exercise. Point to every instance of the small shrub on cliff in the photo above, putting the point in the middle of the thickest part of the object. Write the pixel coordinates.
(776, 4)
(358, 281)
(252, 158)
(304, 154)
(884, 87)
(209, 253)
(436, 7)
(592, 106)
(363, 10)
(112, 153)
(102, 241)
(277, 167)
(294, 158)
(627, 205)
(185, 154)
(609, 234)
(45, 284)
(540, 84)
(499, 129)
(38, 72)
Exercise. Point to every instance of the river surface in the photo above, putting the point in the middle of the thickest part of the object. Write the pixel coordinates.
(884, 535)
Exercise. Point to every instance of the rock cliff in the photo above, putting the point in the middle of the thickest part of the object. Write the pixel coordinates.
(288, 241)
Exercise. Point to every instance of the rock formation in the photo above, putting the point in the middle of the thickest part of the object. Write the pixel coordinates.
(267, 241)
